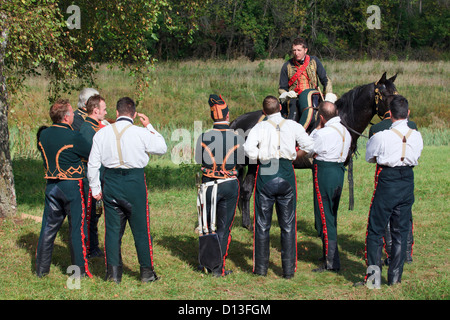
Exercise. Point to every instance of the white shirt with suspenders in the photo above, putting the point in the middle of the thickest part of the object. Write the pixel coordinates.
(122, 145)
(398, 146)
(276, 138)
(332, 142)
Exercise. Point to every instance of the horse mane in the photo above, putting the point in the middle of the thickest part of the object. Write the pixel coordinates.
(346, 103)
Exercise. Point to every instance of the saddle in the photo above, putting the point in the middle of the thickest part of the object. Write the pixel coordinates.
(305, 108)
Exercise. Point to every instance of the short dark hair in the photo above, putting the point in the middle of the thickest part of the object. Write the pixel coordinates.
(271, 105)
(399, 107)
(59, 109)
(93, 102)
(300, 41)
(327, 110)
(126, 107)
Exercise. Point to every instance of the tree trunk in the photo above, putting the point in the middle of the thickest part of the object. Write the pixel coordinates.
(7, 192)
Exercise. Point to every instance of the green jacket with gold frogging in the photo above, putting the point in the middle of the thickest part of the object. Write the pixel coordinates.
(61, 150)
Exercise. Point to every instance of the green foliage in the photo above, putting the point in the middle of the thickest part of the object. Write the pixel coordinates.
(37, 41)
(337, 29)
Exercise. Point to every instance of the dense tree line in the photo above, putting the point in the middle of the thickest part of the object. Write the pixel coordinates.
(409, 29)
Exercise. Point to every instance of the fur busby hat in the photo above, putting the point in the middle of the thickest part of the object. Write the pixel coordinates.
(219, 109)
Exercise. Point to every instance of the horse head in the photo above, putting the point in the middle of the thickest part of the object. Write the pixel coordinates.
(384, 90)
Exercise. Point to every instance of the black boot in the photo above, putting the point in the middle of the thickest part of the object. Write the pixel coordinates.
(114, 273)
(333, 261)
(148, 275)
(42, 272)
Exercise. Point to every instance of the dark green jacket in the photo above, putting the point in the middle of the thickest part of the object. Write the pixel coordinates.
(220, 151)
(78, 118)
(88, 129)
(62, 150)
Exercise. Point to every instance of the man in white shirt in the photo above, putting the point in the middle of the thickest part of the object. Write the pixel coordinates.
(272, 142)
(123, 149)
(331, 146)
(396, 151)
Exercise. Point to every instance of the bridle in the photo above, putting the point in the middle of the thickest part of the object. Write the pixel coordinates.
(378, 98)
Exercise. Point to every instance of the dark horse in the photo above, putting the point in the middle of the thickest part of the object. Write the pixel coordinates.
(356, 108)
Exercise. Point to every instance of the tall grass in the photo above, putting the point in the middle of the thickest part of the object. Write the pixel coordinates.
(177, 97)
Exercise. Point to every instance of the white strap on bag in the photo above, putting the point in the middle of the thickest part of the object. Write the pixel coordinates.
(201, 204)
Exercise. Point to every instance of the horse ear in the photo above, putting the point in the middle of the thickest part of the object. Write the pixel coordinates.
(383, 78)
(393, 78)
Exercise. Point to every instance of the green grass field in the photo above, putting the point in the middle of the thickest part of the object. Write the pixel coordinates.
(183, 99)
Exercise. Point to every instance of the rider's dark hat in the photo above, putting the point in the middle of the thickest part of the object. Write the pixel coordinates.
(219, 109)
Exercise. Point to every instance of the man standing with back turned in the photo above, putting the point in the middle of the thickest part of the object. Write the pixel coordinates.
(331, 146)
(220, 151)
(123, 149)
(62, 149)
(273, 143)
(396, 152)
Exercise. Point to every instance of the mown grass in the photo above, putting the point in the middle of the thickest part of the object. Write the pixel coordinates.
(177, 98)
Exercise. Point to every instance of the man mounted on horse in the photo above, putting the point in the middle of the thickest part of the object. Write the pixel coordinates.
(299, 84)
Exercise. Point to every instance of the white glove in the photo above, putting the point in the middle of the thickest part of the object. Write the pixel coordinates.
(292, 94)
(331, 97)
(282, 97)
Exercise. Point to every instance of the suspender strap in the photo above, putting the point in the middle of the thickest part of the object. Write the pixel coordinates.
(277, 127)
(118, 136)
(404, 139)
(342, 134)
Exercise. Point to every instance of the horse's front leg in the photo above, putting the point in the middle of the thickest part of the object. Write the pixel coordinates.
(246, 194)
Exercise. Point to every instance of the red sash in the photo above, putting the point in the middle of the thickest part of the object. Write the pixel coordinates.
(300, 70)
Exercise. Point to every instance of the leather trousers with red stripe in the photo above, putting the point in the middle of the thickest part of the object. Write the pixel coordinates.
(275, 187)
(125, 200)
(63, 198)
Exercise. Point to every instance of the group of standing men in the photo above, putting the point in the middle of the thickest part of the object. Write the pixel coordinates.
(83, 165)
(278, 140)
(114, 159)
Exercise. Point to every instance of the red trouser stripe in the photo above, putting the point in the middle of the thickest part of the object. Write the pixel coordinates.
(295, 212)
(229, 230)
(322, 212)
(86, 266)
(148, 223)
(377, 174)
(254, 216)
(88, 219)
